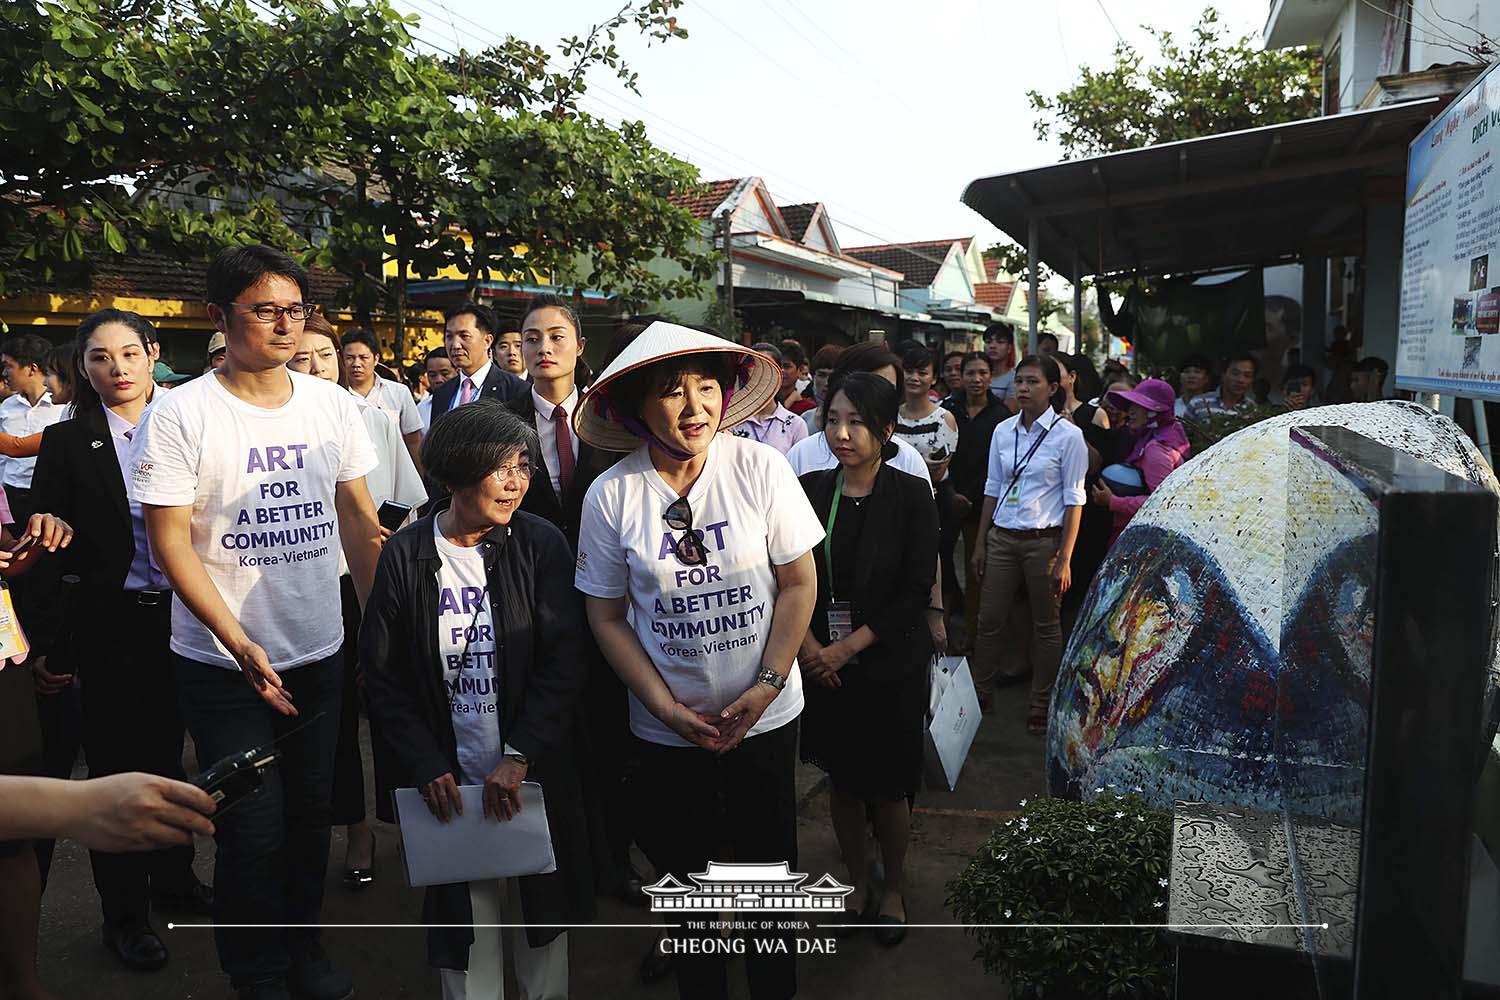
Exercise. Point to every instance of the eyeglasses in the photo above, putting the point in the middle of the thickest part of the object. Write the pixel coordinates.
(689, 548)
(269, 312)
(520, 470)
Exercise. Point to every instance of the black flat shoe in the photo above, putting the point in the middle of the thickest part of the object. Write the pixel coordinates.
(890, 931)
(359, 879)
(196, 898)
(136, 947)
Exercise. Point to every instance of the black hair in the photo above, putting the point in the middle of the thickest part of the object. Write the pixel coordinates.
(436, 352)
(917, 357)
(1001, 330)
(974, 356)
(85, 398)
(237, 268)
(468, 443)
(1044, 336)
(770, 350)
(1235, 359)
(483, 317)
(827, 356)
(875, 400)
(362, 337)
(865, 356)
(1048, 368)
(547, 300)
(1199, 361)
(1299, 372)
(28, 349)
(63, 363)
(1086, 383)
(1373, 364)
(953, 354)
(794, 352)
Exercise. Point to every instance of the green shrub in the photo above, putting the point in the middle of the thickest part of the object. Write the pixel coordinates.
(1060, 862)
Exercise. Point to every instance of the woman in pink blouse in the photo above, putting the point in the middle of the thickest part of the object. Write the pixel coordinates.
(1161, 445)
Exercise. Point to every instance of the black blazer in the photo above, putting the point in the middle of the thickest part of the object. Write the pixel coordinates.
(893, 579)
(499, 385)
(566, 511)
(540, 623)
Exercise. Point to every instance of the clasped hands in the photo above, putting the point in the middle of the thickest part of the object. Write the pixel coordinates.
(821, 664)
(722, 733)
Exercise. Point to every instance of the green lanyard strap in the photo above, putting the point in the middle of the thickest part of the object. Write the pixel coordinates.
(833, 513)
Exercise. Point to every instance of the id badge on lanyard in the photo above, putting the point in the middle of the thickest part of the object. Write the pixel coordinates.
(840, 614)
(1013, 495)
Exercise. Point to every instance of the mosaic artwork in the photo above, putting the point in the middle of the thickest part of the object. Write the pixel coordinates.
(1241, 591)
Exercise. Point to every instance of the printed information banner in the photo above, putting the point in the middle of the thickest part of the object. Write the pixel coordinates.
(1450, 298)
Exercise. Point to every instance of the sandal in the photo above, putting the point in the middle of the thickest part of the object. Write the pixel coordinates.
(1036, 721)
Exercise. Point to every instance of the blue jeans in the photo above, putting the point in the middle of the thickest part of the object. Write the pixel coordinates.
(273, 846)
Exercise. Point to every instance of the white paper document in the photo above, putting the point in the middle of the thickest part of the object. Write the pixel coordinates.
(470, 847)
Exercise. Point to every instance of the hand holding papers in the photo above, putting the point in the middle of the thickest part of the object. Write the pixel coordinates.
(470, 847)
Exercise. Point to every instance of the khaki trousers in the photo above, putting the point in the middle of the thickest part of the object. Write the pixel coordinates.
(1013, 563)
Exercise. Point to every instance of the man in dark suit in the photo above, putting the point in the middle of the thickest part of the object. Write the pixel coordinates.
(468, 334)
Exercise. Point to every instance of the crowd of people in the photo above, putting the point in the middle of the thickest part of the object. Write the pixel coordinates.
(649, 591)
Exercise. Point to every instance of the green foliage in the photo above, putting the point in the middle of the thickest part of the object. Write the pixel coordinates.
(726, 321)
(315, 127)
(1057, 862)
(1013, 260)
(1212, 83)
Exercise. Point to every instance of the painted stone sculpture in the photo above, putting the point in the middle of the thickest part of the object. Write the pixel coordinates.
(1240, 592)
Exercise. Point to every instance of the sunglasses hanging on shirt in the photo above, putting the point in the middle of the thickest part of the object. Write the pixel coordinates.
(688, 548)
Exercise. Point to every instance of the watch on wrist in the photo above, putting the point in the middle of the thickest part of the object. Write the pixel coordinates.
(517, 755)
(771, 677)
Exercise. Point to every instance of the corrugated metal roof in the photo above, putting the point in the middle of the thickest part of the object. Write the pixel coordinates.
(1241, 198)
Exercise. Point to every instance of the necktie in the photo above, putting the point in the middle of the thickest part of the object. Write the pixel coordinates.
(466, 392)
(564, 448)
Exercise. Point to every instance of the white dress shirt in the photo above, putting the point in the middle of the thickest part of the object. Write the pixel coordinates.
(546, 429)
(477, 379)
(395, 399)
(1050, 482)
(424, 410)
(22, 419)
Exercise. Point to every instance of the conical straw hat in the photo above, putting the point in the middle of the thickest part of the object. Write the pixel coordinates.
(595, 420)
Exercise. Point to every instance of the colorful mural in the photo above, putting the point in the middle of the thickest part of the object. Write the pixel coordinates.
(1231, 625)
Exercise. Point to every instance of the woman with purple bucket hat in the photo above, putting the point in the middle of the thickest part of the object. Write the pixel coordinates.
(1161, 445)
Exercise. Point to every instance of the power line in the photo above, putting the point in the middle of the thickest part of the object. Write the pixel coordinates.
(1111, 21)
(853, 60)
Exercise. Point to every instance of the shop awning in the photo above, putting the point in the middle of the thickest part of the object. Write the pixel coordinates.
(1240, 199)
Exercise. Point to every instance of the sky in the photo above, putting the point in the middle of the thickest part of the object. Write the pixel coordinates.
(883, 115)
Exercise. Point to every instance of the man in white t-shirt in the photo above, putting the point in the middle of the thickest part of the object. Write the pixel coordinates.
(251, 480)
(360, 351)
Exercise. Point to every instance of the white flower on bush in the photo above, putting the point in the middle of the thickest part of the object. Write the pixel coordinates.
(1090, 828)
(1007, 914)
(1119, 815)
(1023, 803)
(1162, 882)
(1157, 904)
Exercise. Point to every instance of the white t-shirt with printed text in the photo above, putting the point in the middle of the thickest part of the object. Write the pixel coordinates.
(466, 644)
(705, 627)
(261, 484)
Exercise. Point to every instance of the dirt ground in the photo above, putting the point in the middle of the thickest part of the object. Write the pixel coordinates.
(1004, 766)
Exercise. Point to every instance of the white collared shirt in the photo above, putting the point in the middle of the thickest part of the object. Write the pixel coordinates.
(477, 379)
(546, 429)
(395, 399)
(1050, 482)
(21, 418)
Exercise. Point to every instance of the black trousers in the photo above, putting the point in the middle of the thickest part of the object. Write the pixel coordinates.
(348, 761)
(273, 845)
(131, 722)
(697, 806)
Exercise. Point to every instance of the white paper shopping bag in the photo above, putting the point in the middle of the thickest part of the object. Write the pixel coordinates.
(953, 723)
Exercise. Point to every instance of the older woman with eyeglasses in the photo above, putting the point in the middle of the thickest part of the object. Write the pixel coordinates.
(696, 558)
(473, 669)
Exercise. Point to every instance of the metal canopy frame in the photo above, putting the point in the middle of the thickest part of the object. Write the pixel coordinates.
(1240, 199)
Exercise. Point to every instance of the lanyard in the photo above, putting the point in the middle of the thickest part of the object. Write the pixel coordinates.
(833, 513)
(1025, 462)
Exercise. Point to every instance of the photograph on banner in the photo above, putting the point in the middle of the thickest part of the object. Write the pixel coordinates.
(1450, 300)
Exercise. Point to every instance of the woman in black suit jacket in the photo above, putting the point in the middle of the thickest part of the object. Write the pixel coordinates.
(117, 640)
(868, 648)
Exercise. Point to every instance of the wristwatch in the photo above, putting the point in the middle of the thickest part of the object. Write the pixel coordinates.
(771, 677)
(518, 755)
